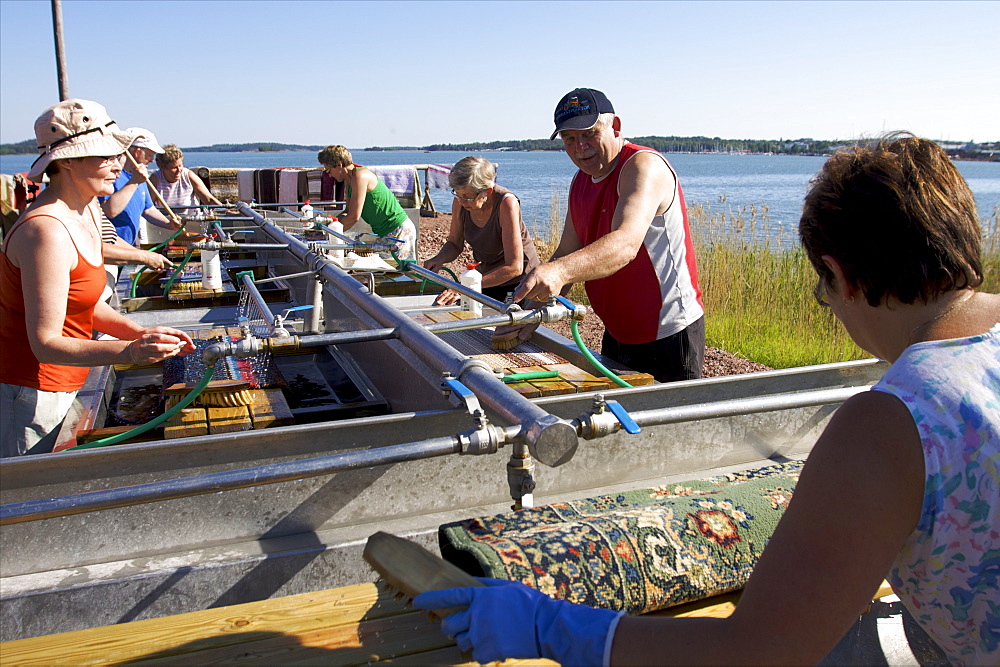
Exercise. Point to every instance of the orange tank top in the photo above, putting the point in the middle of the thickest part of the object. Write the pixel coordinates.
(18, 364)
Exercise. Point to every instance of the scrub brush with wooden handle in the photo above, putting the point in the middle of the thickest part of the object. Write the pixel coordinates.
(412, 569)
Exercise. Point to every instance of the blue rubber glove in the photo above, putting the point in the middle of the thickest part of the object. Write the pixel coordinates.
(506, 619)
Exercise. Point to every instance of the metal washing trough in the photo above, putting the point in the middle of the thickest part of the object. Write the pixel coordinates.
(306, 533)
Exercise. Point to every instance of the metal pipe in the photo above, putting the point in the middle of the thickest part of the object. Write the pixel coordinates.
(169, 489)
(294, 203)
(368, 335)
(745, 406)
(457, 287)
(232, 245)
(342, 237)
(314, 296)
(356, 245)
(48, 508)
(289, 276)
(259, 302)
(57, 32)
(551, 440)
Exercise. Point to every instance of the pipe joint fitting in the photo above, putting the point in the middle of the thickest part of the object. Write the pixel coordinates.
(245, 347)
(520, 477)
(471, 363)
(486, 439)
(550, 440)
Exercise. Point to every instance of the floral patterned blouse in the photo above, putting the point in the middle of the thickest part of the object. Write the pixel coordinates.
(948, 572)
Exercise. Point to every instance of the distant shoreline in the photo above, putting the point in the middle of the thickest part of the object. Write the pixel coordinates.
(692, 145)
(991, 158)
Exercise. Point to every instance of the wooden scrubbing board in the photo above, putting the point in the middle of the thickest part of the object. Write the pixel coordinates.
(525, 358)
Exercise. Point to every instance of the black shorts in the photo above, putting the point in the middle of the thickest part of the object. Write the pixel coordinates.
(677, 357)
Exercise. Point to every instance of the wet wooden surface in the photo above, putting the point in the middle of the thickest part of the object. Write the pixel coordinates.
(525, 358)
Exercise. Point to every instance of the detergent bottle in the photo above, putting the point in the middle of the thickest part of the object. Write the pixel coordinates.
(337, 226)
(211, 270)
(473, 280)
(307, 211)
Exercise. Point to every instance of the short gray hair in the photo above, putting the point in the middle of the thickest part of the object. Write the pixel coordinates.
(604, 120)
(473, 172)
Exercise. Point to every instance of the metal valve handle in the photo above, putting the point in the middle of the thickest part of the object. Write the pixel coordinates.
(624, 418)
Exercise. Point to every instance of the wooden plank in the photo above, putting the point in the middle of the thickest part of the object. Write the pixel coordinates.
(579, 378)
(465, 315)
(637, 379)
(108, 431)
(209, 334)
(441, 316)
(179, 292)
(189, 633)
(205, 293)
(270, 408)
(132, 367)
(351, 625)
(548, 386)
(182, 388)
(188, 422)
(526, 389)
(229, 420)
(421, 319)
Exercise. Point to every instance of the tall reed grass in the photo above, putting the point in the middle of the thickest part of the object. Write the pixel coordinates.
(757, 285)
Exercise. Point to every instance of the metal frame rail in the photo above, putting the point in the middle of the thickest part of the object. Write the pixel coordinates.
(549, 439)
(589, 425)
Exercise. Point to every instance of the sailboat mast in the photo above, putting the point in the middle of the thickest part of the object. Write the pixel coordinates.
(60, 52)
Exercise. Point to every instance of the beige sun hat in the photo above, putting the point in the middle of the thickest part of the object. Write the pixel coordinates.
(75, 128)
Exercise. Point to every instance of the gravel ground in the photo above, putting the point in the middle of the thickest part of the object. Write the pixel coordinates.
(434, 233)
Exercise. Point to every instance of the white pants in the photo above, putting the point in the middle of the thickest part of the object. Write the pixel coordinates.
(30, 419)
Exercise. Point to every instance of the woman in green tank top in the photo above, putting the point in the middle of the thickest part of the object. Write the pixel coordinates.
(368, 198)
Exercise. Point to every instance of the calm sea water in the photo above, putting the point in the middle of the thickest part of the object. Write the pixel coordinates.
(541, 180)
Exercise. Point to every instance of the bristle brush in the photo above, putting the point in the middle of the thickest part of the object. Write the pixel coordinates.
(411, 569)
(218, 393)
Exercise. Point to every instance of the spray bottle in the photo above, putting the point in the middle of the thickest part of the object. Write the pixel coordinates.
(473, 280)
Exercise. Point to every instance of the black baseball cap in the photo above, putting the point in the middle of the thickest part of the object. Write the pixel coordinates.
(579, 110)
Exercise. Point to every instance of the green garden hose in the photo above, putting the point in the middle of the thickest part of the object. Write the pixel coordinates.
(574, 327)
(135, 276)
(153, 423)
(533, 375)
(177, 272)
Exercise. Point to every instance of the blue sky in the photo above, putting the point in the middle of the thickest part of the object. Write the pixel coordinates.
(415, 73)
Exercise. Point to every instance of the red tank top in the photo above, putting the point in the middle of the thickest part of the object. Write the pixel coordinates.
(656, 294)
(18, 364)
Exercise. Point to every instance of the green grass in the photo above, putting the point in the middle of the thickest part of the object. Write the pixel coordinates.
(758, 296)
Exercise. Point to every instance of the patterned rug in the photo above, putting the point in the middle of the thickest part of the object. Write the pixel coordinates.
(639, 550)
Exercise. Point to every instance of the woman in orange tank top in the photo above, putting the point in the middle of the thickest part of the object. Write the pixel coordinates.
(51, 278)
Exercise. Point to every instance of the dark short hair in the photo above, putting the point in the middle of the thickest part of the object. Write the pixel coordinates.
(898, 217)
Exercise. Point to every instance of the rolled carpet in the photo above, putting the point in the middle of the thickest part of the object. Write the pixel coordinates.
(637, 551)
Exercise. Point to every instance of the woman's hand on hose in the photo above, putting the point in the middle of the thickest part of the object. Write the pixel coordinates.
(156, 261)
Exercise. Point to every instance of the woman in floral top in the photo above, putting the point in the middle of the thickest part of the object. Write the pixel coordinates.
(904, 480)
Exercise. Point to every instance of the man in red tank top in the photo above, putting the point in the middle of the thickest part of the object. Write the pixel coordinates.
(627, 238)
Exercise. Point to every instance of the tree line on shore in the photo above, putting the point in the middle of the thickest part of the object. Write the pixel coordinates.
(968, 151)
